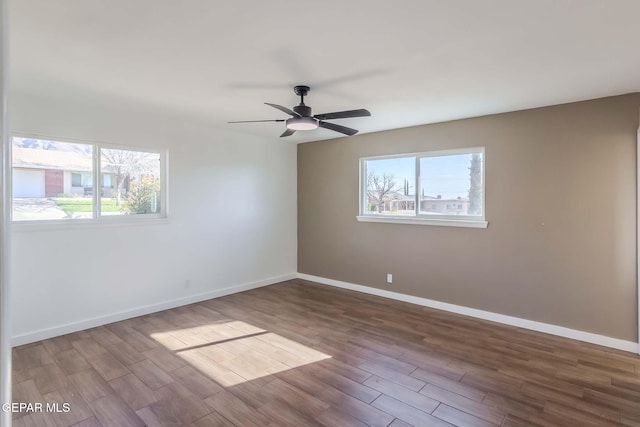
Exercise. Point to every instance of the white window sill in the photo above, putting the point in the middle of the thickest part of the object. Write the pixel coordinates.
(423, 221)
(83, 224)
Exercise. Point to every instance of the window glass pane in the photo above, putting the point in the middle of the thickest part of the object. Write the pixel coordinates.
(134, 182)
(390, 186)
(451, 185)
(47, 181)
(87, 180)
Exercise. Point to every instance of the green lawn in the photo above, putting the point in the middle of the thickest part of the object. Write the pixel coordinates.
(73, 205)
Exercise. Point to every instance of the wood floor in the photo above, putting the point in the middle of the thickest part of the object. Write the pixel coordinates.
(302, 354)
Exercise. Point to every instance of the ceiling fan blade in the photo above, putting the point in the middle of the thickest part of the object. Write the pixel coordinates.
(257, 121)
(343, 114)
(337, 128)
(288, 132)
(284, 109)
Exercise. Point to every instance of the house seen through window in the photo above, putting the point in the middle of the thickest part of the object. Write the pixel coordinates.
(54, 180)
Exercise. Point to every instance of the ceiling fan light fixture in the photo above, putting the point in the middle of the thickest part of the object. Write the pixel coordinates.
(302, 123)
(303, 119)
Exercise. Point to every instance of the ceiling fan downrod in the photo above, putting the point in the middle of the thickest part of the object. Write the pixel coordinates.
(302, 109)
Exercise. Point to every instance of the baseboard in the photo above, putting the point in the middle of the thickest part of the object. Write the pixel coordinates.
(141, 311)
(561, 331)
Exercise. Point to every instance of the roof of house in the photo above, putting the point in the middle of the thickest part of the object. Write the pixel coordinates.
(396, 195)
(458, 200)
(51, 159)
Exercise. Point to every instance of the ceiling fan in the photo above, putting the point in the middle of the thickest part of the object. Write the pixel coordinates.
(302, 119)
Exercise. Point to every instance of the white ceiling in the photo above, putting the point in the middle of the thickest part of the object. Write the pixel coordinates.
(409, 62)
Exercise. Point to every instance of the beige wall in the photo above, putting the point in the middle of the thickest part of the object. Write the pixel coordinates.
(560, 201)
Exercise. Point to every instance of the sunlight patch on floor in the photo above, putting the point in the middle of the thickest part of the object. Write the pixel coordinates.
(234, 352)
(180, 339)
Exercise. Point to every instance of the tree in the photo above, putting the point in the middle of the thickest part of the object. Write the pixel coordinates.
(475, 189)
(143, 198)
(124, 163)
(378, 187)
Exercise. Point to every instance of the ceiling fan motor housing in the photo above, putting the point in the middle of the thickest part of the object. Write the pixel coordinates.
(303, 110)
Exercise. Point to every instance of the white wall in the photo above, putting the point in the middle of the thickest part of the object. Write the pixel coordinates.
(66, 182)
(232, 221)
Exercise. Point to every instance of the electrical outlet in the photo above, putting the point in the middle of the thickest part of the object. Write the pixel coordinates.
(389, 278)
(187, 283)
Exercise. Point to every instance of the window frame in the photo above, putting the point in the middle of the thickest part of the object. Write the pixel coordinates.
(474, 221)
(97, 219)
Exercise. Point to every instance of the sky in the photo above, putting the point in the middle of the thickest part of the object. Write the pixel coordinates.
(447, 176)
(43, 144)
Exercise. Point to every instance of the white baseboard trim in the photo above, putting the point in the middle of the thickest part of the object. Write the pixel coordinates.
(141, 311)
(547, 328)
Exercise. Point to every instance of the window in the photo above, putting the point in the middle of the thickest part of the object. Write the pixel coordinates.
(81, 179)
(443, 187)
(53, 180)
(136, 182)
(390, 186)
(87, 180)
(76, 180)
